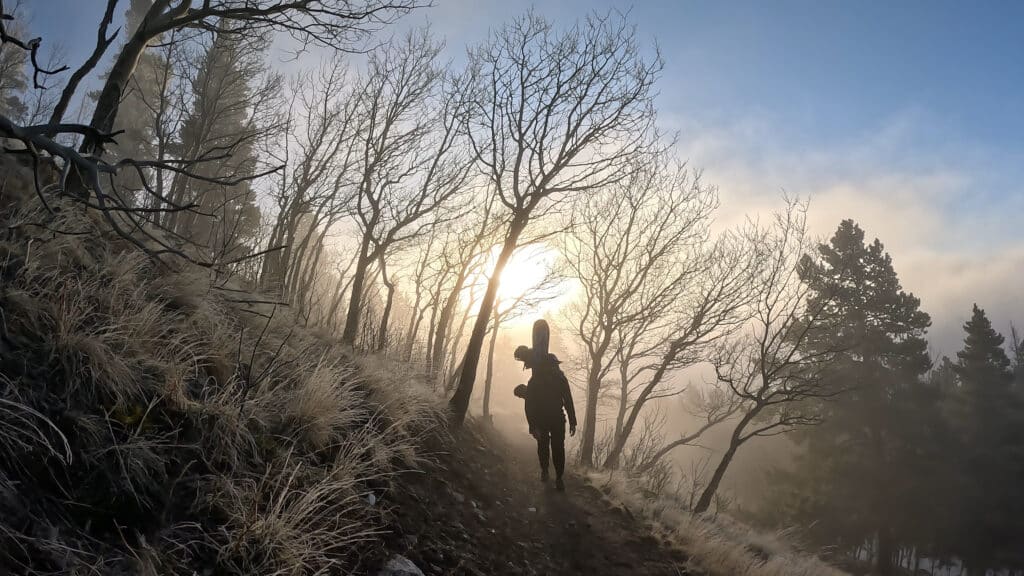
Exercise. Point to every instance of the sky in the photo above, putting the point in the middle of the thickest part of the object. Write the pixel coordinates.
(907, 117)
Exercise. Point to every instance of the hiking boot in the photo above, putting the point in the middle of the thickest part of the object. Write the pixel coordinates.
(543, 475)
(559, 485)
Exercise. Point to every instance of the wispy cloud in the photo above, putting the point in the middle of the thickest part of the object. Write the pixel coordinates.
(943, 215)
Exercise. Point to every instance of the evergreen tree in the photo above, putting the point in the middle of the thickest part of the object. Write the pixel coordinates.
(1017, 360)
(989, 452)
(943, 376)
(13, 77)
(855, 474)
(221, 131)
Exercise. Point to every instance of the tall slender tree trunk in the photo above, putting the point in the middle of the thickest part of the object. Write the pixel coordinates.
(620, 416)
(489, 378)
(454, 347)
(459, 403)
(428, 356)
(414, 330)
(355, 300)
(415, 317)
(886, 551)
(444, 322)
(389, 300)
(612, 460)
(589, 435)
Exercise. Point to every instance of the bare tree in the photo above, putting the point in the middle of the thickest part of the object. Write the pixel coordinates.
(91, 180)
(421, 295)
(103, 41)
(548, 114)
(766, 367)
(462, 255)
(650, 354)
(634, 250)
(314, 191)
(334, 23)
(407, 164)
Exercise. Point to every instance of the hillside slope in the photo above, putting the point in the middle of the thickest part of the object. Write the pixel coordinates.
(162, 419)
(157, 419)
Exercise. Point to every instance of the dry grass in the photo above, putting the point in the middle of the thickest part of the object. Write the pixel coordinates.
(717, 545)
(148, 425)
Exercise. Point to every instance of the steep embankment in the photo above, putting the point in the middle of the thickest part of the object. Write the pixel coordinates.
(152, 421)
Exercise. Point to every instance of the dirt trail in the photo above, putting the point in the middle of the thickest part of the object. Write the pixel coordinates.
(488, 513)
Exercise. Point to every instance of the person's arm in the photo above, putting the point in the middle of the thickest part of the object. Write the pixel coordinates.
(570, 408)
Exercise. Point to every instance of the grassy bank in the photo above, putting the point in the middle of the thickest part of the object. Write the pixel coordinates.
(155, 420)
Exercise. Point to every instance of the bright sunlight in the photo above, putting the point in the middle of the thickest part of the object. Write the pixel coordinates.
(530, 286)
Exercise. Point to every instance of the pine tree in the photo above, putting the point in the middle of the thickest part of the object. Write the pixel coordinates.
(1017, 360)
(943, 376)
(853, 468)
(989, 453)
(13, 77)
(221, 125)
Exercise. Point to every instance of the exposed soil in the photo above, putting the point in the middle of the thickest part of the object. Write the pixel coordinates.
(485, 512)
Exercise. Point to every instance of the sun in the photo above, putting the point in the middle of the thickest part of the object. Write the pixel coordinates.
(525, 272)
(528, 281)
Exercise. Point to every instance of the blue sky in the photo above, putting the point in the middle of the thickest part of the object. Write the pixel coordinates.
(906, 116)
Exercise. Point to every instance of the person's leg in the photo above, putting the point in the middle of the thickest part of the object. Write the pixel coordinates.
(558, 454)
(543, 454)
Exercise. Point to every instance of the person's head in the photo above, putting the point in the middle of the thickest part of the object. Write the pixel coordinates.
(520, 391)
(525, 355)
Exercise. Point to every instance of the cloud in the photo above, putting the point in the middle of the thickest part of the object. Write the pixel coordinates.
(941, 212)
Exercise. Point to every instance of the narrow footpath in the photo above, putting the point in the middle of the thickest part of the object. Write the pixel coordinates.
(485, 512)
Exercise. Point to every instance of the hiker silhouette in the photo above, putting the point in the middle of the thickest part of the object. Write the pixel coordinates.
(548, 402)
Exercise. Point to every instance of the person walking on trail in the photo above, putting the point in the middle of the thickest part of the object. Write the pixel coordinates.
(548, 402)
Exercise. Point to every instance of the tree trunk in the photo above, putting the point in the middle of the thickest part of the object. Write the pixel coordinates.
(704, 502)
(385, 317)
(330, 319)
(459, 403)
(109, 100)
(428, 358)
(490, 366)
(454, 347)
(612, 461)
(886, 550)
(444, 322)
(590, 413)
(716, 478)
(355, 300)
(620, 418)
(415, 318)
